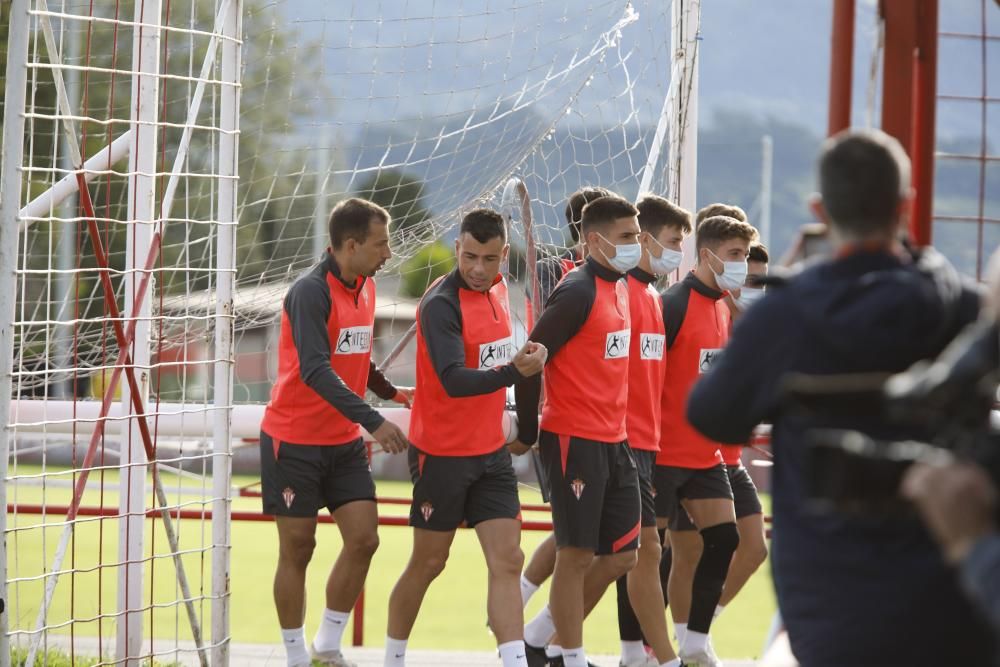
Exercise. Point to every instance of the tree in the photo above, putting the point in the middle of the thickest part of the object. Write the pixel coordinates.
(402, 196)
(430, 263)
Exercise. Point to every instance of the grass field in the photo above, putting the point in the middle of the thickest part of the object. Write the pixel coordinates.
(453, 613)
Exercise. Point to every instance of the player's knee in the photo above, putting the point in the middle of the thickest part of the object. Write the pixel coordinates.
(723, 538)
(756, 552)
(507, 561)
(364, 547)
(649, 551)
(431, 566)
(622, 562)
(297, 550)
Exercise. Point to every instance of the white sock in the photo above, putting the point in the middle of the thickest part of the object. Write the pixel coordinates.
(395, 652)
(553, 651)
(295, 646)
(633, 651)
(676, 662)
(680, 630)
(574, 657)
(540, 629)
(527, 590)
(512, 654)
(694, 642)
(718, 611)
(331, 630)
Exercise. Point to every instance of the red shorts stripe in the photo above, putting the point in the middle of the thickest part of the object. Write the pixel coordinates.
(276, 445)
(564, 451)
(421, 457)
(622, 541)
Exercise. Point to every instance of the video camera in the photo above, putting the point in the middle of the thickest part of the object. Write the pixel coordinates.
(853, 465)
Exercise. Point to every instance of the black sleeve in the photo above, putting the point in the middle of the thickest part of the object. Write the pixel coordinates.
(675, 305)
(441, 325)
(742, 388)
(565, 314)
(548, 272)
(379, 384)
(307, 306)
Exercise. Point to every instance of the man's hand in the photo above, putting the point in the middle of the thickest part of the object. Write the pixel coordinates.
(391, 437)
(957, 502)
(404, 396)
(530, 359)
(517, 448)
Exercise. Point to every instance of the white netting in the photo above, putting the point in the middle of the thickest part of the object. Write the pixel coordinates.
(428, 108)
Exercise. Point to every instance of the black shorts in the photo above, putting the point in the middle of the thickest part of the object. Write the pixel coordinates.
(745, 497)
(448, 490)
(645, 462)
(298, 480)
(675, 484)
(595, 493)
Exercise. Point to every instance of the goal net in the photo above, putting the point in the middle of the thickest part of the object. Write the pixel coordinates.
(169, 166)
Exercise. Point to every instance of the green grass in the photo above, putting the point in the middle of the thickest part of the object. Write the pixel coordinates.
(453, 613)
(55, 658)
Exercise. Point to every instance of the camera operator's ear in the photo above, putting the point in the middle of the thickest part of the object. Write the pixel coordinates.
(815, 201)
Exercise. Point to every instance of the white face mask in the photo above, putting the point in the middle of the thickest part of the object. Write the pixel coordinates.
(733, 275)
(626, 257)
(748, 296)
(668, 261)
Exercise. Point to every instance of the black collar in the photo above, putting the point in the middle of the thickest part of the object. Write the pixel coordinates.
(601, 271)
(692, 281)
(460, 281)
(642, 276)
(334, 268)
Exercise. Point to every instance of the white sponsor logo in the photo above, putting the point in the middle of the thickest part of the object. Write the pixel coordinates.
(708, 357)
(497, 353)
(354, 340)
(651, 346)
(616, 344)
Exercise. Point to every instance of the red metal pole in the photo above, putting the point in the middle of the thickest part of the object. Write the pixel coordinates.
(924, 103)
(358, 625)
(841, 66)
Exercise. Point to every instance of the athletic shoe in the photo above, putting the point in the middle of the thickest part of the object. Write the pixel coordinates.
(329, 658)
(558, 662)
(648, 661)
(535, 655)
(706, 658)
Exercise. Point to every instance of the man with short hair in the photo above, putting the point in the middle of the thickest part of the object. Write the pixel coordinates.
(852, 589)
(583, 442)
(752, 550)
(690, 476)
(640, 596)
(312, 453)
(459, 461)
(718, 208)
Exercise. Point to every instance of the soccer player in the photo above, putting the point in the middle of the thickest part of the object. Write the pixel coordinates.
(852, 589)
(550, 271)
(584, 450)
(460, 465)
(752, 550)
(311, 450)
(690, 476)
(664, 227)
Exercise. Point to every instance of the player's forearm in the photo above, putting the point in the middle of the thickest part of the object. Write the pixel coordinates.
(332, 389)
(379, 384)
(459, 382)
(527, 393)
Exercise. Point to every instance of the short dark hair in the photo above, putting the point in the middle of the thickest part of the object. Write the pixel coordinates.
(656, 212)
(863, 176)
(484, 225)
(602, 212)
(351, 218)
(575, 204)
(758, 253)
(720, 228)
(718, 208)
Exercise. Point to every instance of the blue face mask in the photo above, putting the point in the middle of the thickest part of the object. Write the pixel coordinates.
(626, 257)
(748, 296)
(668, 261)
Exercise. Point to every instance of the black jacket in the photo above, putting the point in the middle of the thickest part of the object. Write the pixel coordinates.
(852, 591)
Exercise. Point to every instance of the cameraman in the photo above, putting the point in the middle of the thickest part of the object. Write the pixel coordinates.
(864, 591)
(958, 501)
